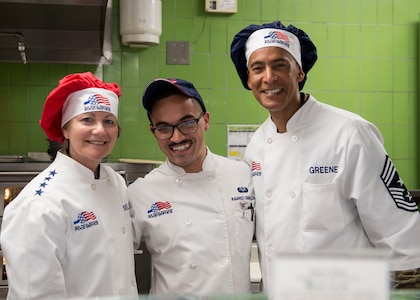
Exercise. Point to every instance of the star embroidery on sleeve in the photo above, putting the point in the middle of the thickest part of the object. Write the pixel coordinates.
(396, 187)
(409, 197)
(45, 183)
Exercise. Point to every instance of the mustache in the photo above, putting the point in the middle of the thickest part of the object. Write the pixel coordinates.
(180, 143)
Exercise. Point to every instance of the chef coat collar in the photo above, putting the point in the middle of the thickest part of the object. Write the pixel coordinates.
(206, 166)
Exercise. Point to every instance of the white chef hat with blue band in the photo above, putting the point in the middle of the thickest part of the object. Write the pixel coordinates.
(307, 50)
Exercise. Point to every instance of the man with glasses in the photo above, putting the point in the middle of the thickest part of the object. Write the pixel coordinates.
(196, 211)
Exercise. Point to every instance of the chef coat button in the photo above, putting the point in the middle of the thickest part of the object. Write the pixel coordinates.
(188, 222)
(269, 251)
(121, 292)
(221, 217)
(124, 230)
(93, 186)
(109, 182)
(133, 283)
(225, 261)
(178, 180)
(193, 266)
(294, 138)
(292, 195)
(268, 193)
(111, 239)
(269, 140)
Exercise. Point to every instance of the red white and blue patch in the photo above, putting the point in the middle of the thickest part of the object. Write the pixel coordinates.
(159, 208)
(256, 169)
(97, 102)
(396, 187)
(84, 220)
(278, 37)
(97, 99)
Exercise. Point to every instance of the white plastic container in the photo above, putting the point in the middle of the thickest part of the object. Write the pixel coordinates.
(140, 22)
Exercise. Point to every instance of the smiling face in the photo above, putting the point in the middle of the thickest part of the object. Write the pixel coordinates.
(91, 137)
(274, 76)
(184, 150)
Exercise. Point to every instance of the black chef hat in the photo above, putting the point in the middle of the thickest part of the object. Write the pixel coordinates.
(237, 49)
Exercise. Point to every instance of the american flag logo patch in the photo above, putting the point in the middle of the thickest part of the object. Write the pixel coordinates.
(281, 36)
(255, 166)
(256, 169)
(84, 217)
(277, 37)
(157, 206)
(97, 99)
(396, 187)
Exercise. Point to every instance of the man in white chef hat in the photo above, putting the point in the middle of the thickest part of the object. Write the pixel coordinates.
(322, 177)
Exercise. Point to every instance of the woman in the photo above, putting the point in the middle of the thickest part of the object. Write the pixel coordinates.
(68, 233)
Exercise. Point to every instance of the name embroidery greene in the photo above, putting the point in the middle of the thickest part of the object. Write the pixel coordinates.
(323, 169)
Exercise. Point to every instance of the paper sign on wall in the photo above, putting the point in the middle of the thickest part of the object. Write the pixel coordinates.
(238, 138)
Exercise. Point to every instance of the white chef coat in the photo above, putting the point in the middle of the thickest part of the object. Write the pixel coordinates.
(327, 184)
(68, 235)
(195, 228)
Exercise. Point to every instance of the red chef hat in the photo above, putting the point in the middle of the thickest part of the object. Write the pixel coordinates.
(97, 94)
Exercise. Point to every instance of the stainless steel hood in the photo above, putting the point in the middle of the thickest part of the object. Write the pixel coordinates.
(56, 31)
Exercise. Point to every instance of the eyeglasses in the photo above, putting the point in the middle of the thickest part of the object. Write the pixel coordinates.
(165, 132)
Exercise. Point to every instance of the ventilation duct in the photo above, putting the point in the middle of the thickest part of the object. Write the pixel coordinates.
(56, 31)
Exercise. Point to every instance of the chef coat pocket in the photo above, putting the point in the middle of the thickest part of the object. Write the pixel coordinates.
(244, 226)
(321, 208)
(245, 210)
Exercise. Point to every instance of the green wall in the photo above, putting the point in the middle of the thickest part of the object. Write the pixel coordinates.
(368, 64)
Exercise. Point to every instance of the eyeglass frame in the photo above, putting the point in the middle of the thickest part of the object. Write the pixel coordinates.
(196, 120)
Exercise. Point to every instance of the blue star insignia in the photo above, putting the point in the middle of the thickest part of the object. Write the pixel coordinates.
(53, 173)
(42, 185)
(39, 192)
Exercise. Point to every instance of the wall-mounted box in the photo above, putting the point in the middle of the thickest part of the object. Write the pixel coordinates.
(221, 6)
(177, 53)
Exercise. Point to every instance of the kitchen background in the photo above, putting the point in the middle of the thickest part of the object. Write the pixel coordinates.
(368, 63)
